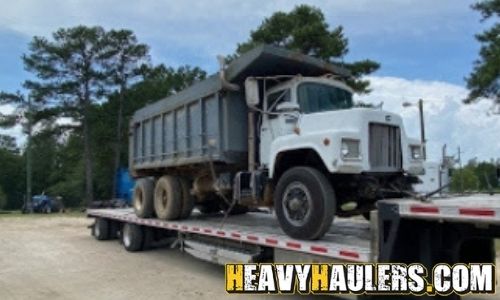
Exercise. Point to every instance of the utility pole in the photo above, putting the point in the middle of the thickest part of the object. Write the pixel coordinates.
(422, 128)
(461, 170)
(442, 168)
(29, 206)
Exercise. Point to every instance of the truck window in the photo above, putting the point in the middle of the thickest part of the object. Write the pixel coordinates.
(317, 97)
(277, 97)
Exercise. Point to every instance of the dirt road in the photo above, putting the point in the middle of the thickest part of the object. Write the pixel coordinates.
(54, 257)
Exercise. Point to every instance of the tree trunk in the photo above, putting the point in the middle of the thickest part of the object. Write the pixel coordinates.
(118, 140)
(89, 188)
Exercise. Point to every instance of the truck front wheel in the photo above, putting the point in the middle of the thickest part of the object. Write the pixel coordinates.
(304, 202)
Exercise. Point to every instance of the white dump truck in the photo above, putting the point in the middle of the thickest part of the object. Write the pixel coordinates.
(272, 128)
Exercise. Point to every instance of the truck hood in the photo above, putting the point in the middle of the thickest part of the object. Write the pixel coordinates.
(347, 120)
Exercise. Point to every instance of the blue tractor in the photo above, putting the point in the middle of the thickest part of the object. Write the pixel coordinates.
(46, 204)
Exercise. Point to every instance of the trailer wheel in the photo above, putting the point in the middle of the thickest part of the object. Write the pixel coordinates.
(101, 229)
(305, 203)
(168, 198)
(143, 198)
(132, 237)
(187, 199)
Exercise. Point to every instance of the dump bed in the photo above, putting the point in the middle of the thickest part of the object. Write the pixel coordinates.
(207, 122)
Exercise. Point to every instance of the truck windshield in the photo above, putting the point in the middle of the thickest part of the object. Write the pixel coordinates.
(317, 97)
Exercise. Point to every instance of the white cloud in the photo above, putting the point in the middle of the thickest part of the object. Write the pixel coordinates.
(447, 119)
(208, 28)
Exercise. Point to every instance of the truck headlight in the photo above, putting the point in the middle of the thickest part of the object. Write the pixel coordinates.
(350, 149)
(416, 152)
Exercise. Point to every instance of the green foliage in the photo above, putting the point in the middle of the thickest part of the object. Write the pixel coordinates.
(71, 75)
(305, 30)
(464, 179)
(487, 176)
(484, 81)
(3, 199)
(8, 143)
(12, 178)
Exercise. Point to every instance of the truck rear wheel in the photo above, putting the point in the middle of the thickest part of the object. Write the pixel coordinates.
(132, 237)
(304, 202)
(101, 229)
(143, 198)
(168, 198)
(187, 199)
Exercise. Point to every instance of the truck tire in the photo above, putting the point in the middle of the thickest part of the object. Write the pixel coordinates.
(304, 202)
(132, 237)
(187, 199)
(168, 198)
(101, 229)
(143, 198)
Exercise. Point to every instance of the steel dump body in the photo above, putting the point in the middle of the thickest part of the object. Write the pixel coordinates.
(207, 122)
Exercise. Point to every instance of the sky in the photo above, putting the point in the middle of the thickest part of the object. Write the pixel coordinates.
(426, 48)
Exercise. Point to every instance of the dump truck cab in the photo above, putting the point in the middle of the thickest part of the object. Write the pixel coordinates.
(318, 114)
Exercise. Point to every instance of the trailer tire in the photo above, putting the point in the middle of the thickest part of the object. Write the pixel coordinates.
(101, 229)
(132, 237)
(143, 198)
(304, 202)
(168, 198)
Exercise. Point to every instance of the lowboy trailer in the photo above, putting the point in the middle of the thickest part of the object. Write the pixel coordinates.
(445, 230)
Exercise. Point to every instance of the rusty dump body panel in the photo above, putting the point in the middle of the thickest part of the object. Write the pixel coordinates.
(206, 122)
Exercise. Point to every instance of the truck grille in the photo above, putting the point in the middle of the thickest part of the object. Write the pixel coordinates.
(385, 148)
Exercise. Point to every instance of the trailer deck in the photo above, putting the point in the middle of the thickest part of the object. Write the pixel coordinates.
(348, 239)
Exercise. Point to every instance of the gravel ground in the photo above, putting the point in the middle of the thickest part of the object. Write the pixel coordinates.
(54, 257)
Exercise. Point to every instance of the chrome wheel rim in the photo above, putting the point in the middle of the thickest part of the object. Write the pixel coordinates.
(297, 203)
(126, 236)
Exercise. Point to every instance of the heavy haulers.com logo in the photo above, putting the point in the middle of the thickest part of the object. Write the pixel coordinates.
(371, 279)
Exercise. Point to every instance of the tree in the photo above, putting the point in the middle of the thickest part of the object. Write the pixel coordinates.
(484, 81)
(70, 74)
(12, 178)
(305, 30)
(3, 199)
(486, 173)
(8, 143)
(464, 179)
(157, 83)
(124, 59)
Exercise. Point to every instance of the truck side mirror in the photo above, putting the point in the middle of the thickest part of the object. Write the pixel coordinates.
(252, 91)
(287, 107)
